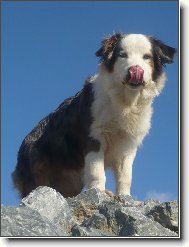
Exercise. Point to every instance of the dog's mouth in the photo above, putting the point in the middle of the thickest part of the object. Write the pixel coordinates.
(134, 77)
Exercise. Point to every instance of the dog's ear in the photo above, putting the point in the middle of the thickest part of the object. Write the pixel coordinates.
(107, 47)
(164, 52)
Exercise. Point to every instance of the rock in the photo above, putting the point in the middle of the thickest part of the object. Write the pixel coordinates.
(166, 214)
(97, 221)
(86, 203)
(130, 221)
(44, 212)
(79, 231)
(108, 210)
(23, 221)
(92, 196)
(127, 201)
(134, 223)
(146, 206)
(52, 205)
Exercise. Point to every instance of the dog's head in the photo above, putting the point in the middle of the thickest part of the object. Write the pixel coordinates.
(134, 60)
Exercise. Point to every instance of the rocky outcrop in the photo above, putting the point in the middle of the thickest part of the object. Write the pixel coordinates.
(44, 212)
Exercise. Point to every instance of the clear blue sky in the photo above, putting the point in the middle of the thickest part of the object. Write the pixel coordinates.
(48, 50)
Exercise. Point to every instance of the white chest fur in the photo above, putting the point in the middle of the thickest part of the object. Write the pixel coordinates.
(114, 119)
(119, 124)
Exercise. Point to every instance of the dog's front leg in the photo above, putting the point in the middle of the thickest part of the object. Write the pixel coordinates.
(94, 174)
(123, 172)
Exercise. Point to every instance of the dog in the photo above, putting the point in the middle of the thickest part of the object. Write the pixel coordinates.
(102, 126)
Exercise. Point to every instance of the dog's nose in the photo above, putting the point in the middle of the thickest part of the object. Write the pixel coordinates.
(136, 74)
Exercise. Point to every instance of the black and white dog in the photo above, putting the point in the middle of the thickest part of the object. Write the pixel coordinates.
(101, 126)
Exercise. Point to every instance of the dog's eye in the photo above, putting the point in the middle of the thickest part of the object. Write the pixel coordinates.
(147, 56)
(123, 54)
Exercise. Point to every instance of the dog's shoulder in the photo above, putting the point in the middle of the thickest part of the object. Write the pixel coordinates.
(66, 114)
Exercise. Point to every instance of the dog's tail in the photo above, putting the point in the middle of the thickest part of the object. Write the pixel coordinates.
(18, 182)
(21, 181)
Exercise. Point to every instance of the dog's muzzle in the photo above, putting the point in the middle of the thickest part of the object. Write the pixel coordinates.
(135, 76)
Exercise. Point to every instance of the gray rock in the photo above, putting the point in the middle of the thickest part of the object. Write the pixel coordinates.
(23, 221)
(146, 206)
(97, 221)
(127, 201)
(143, 206)
(108, 210)
(86, 203)
(130, 221)
(92, 196)
(92, 213)
(166, 214)
(80, 231)
(82, 211)
(97, 224)
(52, 205)
(134, 223)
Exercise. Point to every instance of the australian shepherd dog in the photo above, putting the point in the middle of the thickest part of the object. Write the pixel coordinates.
(102, 125)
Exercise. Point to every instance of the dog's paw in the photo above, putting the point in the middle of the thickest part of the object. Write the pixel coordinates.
(109, 193)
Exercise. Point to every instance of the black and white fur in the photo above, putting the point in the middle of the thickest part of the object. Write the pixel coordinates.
(101, 126)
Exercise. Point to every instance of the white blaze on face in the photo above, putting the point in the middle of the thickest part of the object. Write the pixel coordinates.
(136, 46)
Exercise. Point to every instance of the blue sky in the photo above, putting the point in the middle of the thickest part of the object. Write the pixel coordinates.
(48, 50)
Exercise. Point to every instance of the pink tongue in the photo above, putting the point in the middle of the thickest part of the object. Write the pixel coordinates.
(136, 74)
